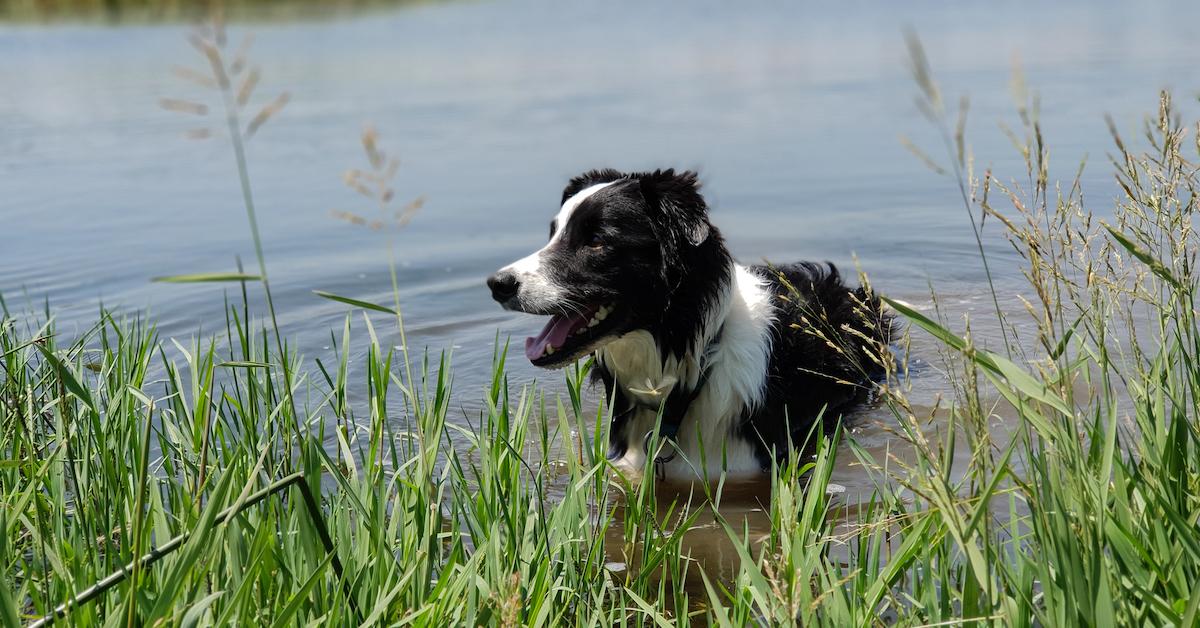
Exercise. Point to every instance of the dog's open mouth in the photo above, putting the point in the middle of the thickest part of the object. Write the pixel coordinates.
(565, 335)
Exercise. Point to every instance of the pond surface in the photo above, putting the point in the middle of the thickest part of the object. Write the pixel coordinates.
(792, 116)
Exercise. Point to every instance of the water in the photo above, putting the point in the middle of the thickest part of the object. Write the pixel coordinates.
(792, 116)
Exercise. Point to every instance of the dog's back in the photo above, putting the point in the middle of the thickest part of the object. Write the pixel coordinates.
(825, 341)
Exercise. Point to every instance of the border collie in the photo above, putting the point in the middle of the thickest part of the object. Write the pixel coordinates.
(738, 361)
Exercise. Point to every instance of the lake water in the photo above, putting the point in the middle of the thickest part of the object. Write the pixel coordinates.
(792, 115)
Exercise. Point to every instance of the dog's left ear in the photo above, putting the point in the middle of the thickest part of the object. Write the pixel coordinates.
(677, 196)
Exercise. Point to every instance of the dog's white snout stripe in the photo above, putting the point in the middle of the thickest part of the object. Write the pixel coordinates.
(526, 265)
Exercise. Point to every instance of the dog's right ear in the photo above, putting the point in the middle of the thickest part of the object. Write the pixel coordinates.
(677, 197)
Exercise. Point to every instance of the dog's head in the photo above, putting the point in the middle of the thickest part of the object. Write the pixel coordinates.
(620, 247)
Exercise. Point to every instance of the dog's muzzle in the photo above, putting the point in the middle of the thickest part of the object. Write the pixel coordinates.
(504, 286)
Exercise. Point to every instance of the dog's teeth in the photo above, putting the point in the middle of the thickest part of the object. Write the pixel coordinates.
(593, 322)
(549, 349)
(602, 313)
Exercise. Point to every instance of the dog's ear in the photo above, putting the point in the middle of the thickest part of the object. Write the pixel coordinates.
(677, 197)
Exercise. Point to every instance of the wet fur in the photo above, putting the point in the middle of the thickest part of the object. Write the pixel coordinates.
(806, 378)
(762, 333)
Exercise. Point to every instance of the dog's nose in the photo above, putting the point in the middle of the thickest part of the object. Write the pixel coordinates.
(504, 286)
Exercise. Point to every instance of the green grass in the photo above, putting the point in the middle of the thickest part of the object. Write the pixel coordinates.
(118, 445)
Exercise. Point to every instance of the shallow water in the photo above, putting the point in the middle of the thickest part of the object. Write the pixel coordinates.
(791, 116)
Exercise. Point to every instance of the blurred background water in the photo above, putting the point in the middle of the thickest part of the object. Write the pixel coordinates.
(791, 113)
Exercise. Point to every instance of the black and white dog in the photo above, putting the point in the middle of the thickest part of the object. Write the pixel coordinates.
(740, 360)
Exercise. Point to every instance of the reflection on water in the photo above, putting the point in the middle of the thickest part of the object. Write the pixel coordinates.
(791, 114)
(127, 12)
(745, 506)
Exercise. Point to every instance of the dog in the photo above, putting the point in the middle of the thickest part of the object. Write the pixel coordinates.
(715, 366)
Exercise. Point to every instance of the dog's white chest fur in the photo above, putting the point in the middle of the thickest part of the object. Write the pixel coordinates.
(737, 361)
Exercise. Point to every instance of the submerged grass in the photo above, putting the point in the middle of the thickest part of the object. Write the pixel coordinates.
(293, 492)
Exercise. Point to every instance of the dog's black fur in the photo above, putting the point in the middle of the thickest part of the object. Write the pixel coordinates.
(678, 279)
(644, 244)
(807, 378)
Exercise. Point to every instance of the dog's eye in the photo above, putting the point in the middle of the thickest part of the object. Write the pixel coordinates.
(595, 242)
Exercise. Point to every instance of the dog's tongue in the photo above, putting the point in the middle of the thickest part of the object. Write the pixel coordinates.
(555, 333)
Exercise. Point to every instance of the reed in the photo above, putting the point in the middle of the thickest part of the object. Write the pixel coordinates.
(272, 489)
